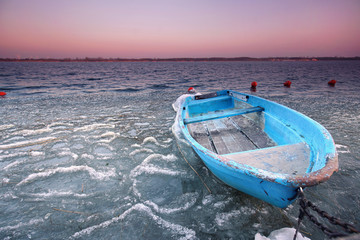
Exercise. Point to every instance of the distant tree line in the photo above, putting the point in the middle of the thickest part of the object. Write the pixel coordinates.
(211, 59)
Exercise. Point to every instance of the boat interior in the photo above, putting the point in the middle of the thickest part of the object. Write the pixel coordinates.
(235, 130)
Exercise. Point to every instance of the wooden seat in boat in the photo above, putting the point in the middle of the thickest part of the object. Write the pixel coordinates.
(288, 159)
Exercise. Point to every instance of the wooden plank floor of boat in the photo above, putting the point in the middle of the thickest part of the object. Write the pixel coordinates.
(228, 135)
(238, 134)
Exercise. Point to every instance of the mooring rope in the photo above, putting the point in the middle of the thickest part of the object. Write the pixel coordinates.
(192, 167)
(304, 211)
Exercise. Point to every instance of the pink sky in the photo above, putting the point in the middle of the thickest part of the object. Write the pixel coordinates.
(179, 28)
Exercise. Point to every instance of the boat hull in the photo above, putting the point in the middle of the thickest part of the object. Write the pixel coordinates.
(276, 194)
(299, 152)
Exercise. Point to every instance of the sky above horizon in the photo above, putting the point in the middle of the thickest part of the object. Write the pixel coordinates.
(174, 28)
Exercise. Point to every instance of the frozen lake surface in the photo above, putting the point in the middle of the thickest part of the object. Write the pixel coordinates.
(87, 149)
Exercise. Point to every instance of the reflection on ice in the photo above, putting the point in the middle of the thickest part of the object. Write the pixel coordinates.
(152, 140)
(32, 222)
(142, 150)
(53, 193)
(154, 182)
(92, 127)
(158, 189)
(147, 166)
(222, 219)
(109, 160)
(103, 151)
(141, 211)
(98, 175)
(179, 204)
(108, 169)
(27, 143)
(6, 126)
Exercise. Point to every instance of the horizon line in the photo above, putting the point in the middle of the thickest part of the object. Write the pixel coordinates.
(178, 59)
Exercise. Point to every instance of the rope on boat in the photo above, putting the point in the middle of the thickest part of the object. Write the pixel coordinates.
(192, 167)
(304, 211)
(67, 211)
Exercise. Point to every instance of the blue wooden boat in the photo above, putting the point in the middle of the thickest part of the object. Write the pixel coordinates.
(257, 146)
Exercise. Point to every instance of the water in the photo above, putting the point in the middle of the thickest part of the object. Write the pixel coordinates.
(87, 149)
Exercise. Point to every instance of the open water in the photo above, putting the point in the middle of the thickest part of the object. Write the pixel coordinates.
(87, 150)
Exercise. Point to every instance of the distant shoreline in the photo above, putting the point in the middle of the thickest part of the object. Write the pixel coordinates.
(211, 59)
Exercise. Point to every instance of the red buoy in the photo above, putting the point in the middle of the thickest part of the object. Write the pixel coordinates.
(2, 93)
(253, 86)
(332, 83)
(287, 83)
(191, 90)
